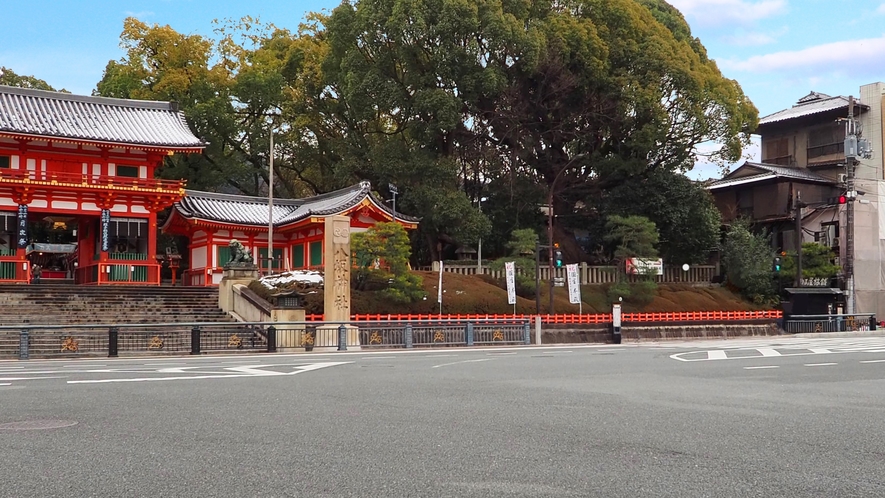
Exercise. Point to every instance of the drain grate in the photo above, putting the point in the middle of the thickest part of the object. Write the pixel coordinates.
(36, 425)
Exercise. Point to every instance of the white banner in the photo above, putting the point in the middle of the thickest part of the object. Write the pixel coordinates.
(510, 273)
(574, 284)
(439, 288)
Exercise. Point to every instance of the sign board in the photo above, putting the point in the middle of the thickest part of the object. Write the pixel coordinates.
(22, 234)
(105, 229)
(616, 317)
(392, 188)
(574, 285)
(510, 274)
(639, 266)
(439, 289)
(558, 282)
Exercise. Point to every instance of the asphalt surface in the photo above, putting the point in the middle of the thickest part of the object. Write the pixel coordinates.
(789, 417)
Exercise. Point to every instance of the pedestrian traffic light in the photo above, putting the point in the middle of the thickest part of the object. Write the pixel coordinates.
(777, 263)
(557, 256)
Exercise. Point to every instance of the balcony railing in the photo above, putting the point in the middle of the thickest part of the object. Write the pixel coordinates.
(60, 178)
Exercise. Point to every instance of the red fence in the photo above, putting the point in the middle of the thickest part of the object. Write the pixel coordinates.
(680, 316)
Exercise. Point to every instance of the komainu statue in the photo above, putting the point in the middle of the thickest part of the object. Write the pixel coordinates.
(239, 255)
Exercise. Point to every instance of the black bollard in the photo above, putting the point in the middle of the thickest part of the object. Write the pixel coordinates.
(113, 342)
(195, 340)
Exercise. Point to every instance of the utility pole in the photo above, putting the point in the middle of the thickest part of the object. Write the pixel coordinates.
(798, 208)
(479, 247)
(850, 166)
(855, 148)
(550, 247)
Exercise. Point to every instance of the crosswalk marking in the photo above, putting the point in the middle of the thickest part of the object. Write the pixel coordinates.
(776, 347)
(768, 352)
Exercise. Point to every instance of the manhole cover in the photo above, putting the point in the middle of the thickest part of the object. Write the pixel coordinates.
(36, 425)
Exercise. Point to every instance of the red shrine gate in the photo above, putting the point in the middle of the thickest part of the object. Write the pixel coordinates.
(77, 190)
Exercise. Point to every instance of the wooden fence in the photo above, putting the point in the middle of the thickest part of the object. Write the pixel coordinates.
(590, 275)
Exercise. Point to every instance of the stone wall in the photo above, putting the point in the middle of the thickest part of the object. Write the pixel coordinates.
(570, 334)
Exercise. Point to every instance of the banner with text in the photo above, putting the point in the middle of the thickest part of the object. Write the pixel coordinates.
(639, 266)
(105, 229)
(22, 226)
(510, 273)
(574, 284)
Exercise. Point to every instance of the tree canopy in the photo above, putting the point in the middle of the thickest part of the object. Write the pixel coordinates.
(479, 112)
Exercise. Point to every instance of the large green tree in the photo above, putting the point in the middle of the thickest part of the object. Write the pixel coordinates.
(8, 77)
(683, 211)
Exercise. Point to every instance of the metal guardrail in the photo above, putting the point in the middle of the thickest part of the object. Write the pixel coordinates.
(27, 341)
(858, 322)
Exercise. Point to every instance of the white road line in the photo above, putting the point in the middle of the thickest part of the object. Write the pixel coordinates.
(462, 361)
(5, 384)
(761, 367)
(717, 355)
(820, 364)
(819, 350)
(379, 358)
(30, 378)
(498, 354)
(768, 351)
(438, 355)
(609, 349)
(872, 361)
(299, 369)
(11, 368)
(175, 369)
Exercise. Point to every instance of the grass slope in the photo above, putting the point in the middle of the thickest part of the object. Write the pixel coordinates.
(470, 294)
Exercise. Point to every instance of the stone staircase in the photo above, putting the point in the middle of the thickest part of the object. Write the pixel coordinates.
(68, 308)
(86, 305)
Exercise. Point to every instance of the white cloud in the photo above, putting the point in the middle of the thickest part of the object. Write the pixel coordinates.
(861, 58)
(729, 12)
(881, 9)
(749, 39)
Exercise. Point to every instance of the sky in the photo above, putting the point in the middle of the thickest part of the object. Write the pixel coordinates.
(778, 50)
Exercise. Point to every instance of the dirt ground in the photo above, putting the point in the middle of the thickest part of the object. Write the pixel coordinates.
(469, 294)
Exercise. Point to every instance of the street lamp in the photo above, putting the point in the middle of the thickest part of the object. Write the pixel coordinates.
(270, 207)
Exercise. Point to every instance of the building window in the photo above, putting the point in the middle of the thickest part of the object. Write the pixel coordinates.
(127, 171)
(777, 151)
(316, 253)
(277, 258)
(222, 254)
(298, 256)
(826, 140)
(4, 162)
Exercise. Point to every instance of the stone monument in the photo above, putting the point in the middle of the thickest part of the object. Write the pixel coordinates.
(336, 286)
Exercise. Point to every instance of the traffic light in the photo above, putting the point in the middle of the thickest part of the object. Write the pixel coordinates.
(777, 263)
(836, 201)
(557, 256)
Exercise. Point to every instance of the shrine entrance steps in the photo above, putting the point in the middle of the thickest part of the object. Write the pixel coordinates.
(66, 304)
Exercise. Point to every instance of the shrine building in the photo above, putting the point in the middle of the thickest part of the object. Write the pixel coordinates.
(77, 189)
(211, 221)
(78, 197)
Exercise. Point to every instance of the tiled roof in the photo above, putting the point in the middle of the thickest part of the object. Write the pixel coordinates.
(77, 117)
(245, 210)
(813, 103)
(762, 171)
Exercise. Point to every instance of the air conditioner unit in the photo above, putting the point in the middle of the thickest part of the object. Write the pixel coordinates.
(835, 242)
(843, 177)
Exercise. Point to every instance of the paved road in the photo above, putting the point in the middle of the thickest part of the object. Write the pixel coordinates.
(773, 417)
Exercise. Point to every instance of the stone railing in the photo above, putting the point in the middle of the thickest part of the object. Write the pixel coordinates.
(590, 275)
